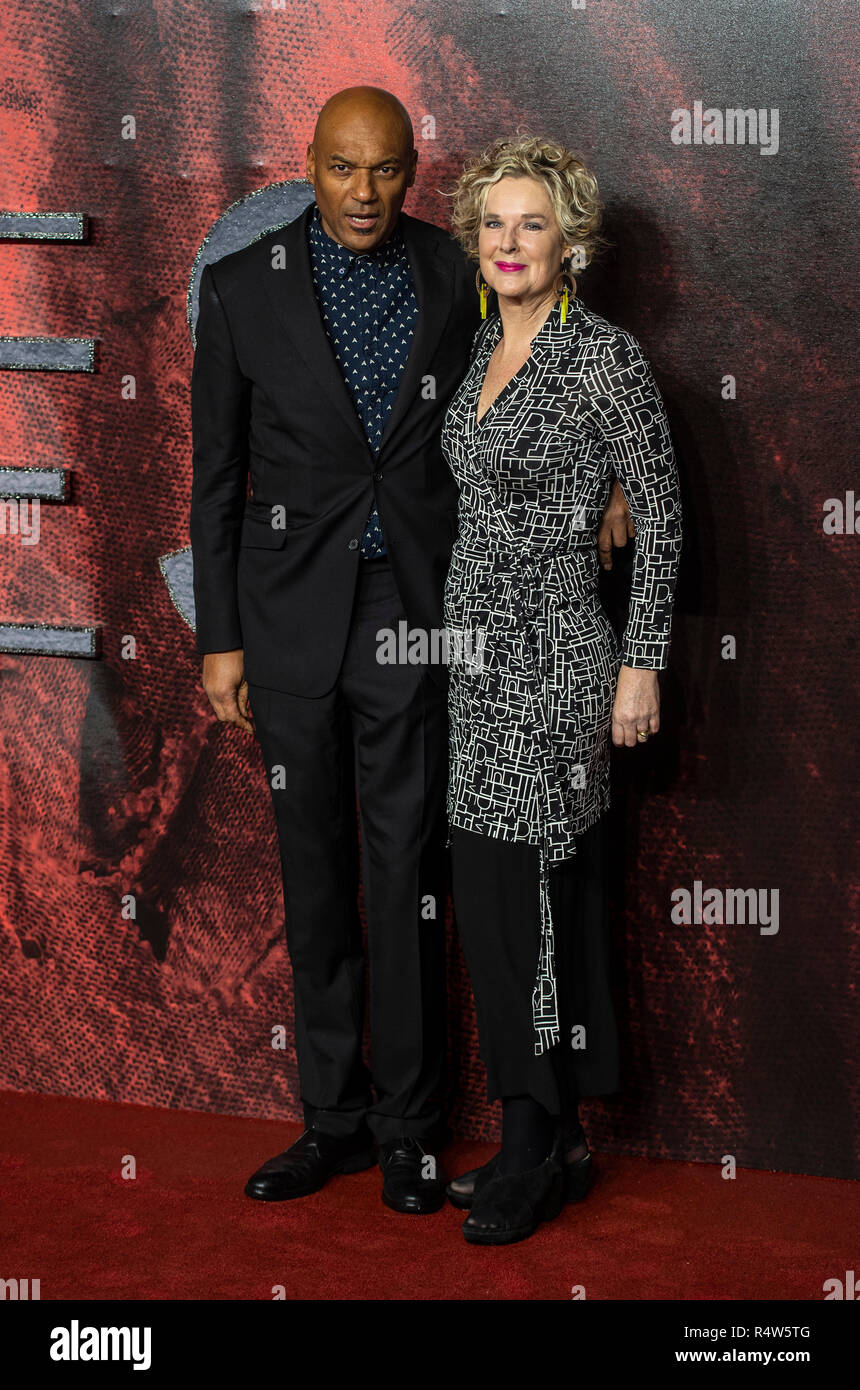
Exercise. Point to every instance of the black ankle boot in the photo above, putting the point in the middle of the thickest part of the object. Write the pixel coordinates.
(579, 1173)
(508, 1207)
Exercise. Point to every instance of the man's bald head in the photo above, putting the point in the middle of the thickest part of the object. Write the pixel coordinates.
(376, 102)
(361, 162)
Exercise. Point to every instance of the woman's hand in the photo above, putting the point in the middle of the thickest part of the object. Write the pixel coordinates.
(636, 706)
(616, 525)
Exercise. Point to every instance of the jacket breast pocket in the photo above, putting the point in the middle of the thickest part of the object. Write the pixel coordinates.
(258, 533)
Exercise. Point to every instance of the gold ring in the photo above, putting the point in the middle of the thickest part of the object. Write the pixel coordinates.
(642, 735)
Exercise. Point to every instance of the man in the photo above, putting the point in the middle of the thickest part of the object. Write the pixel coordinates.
(327, 353)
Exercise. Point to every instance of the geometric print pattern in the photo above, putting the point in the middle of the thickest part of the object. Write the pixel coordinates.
(530, 721)
(369, 309)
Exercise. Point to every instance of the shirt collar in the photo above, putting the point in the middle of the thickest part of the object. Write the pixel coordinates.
(392, 250)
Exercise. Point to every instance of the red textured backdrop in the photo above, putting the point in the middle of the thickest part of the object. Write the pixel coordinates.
(117, 781)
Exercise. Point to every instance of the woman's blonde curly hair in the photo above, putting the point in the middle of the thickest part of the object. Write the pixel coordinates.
(571, 186)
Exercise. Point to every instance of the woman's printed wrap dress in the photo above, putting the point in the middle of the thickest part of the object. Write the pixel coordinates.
(533, 658)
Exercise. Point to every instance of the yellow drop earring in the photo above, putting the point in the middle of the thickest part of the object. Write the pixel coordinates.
(568, 288)
(483, 290)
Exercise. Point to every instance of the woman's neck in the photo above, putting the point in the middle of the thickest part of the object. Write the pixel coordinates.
(522, 320)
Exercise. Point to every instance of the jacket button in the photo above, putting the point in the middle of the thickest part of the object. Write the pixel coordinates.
(353, 545)
(377, 477)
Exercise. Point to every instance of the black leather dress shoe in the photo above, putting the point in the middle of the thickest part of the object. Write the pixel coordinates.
(412, 1178)
(308, 1164)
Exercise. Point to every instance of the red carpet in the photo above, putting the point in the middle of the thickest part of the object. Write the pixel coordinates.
(651, 1229)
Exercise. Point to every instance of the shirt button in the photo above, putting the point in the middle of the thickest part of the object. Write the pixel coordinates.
(353, 545)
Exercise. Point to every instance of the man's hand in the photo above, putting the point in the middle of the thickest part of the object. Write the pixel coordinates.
(616, 527)
(225, 684)
(636, 706)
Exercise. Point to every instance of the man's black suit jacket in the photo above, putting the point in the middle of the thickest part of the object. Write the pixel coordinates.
(269, 406)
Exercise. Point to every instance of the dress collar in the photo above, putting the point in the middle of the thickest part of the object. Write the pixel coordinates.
(551, 334)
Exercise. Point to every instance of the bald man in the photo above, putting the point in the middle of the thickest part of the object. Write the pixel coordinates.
(327, 353)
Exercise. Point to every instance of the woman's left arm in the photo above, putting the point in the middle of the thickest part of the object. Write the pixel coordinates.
(628, 412)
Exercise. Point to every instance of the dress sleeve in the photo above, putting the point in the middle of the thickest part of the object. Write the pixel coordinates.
(627, 412)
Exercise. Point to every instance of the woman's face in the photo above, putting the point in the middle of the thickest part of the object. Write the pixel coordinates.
(519, 244)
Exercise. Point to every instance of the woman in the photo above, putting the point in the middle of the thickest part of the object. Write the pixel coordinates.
(556, 399)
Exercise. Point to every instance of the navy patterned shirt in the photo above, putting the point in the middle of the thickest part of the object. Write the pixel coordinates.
(368, 305)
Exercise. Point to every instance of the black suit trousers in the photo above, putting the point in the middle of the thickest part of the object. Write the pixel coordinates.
(381, 732)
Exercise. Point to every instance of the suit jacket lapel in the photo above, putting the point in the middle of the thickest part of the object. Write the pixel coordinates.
(434, 288)
(295, 303)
